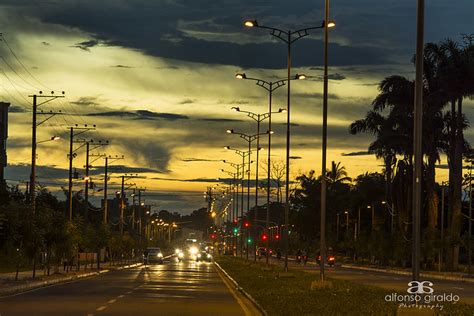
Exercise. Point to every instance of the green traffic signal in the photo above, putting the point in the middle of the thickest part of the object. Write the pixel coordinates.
(249, 241)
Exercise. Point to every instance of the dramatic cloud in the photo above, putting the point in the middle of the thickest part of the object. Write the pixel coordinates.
(142, 114)
(86, 45)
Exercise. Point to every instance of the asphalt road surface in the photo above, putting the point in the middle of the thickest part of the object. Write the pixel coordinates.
(386, 280)
(186, 288)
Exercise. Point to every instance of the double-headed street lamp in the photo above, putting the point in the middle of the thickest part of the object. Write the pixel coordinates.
(289, 37)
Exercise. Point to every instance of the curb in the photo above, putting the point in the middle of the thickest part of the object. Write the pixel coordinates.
(241, 290)
(39, 284)
(394, 271)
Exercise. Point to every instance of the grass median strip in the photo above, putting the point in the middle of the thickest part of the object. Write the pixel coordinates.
(296, 293)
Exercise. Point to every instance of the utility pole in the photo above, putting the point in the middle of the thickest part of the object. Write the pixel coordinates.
(95, 144)
(108, 160)
(71, 156)
(34, 142)
(122, 198)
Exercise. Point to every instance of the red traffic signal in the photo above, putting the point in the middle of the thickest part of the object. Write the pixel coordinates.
(246, 224)
(264, 237)
(213, 236)
(277, 236)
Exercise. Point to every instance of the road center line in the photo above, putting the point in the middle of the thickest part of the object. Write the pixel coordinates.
(101, 308)
(112, 301)
(458, 288)
(120, 296)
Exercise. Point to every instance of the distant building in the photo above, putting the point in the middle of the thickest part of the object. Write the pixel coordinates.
(3, 142)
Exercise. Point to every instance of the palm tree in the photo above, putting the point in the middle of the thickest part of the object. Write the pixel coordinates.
(337, 174)
(458, 75)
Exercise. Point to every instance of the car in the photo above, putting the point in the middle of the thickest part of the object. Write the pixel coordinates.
(152, 255)
(203, 256)
(262, 252)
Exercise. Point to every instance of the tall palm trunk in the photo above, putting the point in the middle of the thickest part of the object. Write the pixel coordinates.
(431, 208)
(455, 185)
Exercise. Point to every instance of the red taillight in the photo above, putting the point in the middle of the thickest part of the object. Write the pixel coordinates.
(331, 258)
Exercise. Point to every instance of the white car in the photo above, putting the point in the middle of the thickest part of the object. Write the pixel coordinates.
(153, 255)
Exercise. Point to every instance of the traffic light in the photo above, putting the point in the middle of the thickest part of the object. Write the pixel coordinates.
(246, 224)
(236, 230)
(264, 237)
(249, 240)
(235, 221)
(213, 236)
(277, 237)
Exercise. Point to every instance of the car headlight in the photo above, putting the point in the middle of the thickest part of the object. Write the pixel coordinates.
(193, 250)
(177, 251)
(160, 255)
(199, 255)
(180, 255)
(208, 256)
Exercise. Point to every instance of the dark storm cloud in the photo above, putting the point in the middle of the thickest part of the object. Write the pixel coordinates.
(149, 152)
(86, 101)
(356, 153)
(187, 101)
(220, 120)
(315, 95)
(86, 45)
(16, 109)
(123, 169)
(336, 76)
(44, 173)
(121, 66)
(141, 114)
(198, 160)
(191, 31)
(204, 180)
(371, 33)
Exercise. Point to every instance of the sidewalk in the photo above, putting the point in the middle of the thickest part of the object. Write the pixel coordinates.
(8, 285)
(452, 276)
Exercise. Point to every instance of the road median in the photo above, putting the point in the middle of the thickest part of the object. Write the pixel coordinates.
(304, 294)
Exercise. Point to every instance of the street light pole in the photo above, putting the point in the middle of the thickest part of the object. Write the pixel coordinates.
(322, 245)
(417, 142)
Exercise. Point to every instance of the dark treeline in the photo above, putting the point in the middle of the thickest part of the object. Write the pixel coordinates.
(448, 81)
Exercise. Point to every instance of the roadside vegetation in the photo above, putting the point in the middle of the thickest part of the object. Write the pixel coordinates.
(297, 293)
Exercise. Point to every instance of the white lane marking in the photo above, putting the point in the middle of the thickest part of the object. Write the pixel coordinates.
(101, 308)
(112, 301)
(459, 288)
(120, 296)
(129, 292)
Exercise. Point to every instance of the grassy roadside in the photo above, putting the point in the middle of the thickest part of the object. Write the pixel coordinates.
(282, 295)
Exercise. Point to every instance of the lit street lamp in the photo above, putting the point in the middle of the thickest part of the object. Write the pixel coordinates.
(243, 154)
(289, 37)
(250, 139)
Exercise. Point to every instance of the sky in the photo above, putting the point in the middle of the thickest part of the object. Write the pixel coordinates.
(157, 80)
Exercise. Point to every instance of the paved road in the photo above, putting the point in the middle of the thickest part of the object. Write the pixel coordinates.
(186, 288)
(387, 280)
